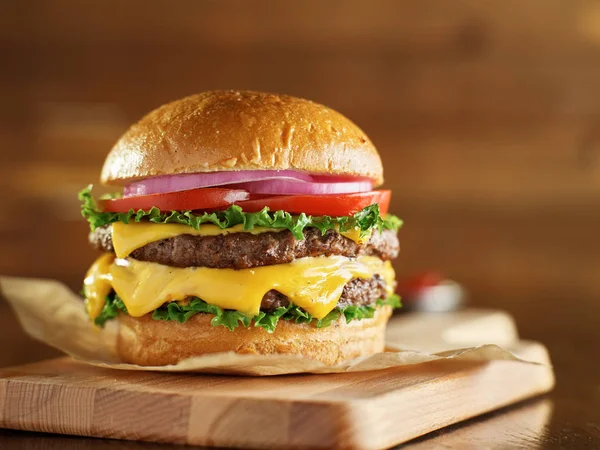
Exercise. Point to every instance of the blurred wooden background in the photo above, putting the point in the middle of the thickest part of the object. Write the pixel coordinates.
(486, 114)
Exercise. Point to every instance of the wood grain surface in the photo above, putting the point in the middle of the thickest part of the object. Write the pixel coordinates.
(365, 410)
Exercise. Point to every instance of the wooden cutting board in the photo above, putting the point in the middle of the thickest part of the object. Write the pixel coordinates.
(362, 410)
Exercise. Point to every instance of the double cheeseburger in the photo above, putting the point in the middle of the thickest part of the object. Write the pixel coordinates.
(246, 222)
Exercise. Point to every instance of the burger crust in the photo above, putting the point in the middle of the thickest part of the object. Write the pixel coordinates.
(241, 130)
(148, 342)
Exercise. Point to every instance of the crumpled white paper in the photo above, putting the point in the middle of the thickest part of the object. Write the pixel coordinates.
(50, 312)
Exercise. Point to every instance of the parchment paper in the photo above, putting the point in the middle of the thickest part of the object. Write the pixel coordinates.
(50, 312)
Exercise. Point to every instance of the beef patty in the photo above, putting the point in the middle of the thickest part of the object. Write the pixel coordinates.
(358, 291)
(246, 250)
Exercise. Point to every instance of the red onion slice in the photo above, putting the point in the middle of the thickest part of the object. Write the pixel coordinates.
(291, 187)
(273, 182)
(184, 182)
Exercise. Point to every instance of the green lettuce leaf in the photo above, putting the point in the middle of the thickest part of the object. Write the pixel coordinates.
(113, 305)
(364, 220)
(232, 319)
(331, 317)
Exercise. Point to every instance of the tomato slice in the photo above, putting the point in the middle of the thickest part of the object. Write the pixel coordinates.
(203, 198)
(321, 205)
(220, 198)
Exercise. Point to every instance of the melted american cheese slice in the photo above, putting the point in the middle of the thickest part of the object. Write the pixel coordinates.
(315, 284)
(128, 237)
(98, 284)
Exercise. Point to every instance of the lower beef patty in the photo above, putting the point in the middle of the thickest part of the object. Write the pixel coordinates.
(245, 250)
(357, 292)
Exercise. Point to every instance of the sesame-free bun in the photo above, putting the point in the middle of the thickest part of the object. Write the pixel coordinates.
(148, 342)
(241, 130)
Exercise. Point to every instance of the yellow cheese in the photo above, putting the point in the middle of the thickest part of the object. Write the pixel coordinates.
(128, 237)
(355, 235)
(97, 284)
(315, 284)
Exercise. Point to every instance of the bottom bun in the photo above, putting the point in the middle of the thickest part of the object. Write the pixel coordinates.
(148, 342)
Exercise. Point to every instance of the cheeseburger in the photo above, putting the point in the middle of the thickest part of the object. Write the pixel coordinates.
(245, 222)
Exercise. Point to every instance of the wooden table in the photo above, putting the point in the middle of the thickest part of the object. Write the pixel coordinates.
(568, 418)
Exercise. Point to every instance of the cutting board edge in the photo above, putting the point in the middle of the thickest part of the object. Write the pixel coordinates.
(347, 415)
(543, 382)
(346, 425)
(65, 397)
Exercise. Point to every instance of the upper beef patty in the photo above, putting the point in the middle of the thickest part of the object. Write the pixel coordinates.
(245, 250)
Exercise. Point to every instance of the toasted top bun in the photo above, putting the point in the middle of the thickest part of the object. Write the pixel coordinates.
(232, 130)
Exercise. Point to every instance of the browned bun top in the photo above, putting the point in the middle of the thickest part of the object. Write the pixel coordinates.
(241, 130)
